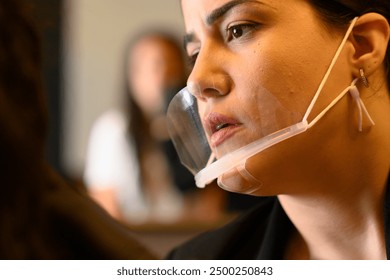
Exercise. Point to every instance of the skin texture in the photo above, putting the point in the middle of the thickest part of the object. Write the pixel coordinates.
(329, 186)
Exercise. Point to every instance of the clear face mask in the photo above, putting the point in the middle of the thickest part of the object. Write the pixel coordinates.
(227, 160)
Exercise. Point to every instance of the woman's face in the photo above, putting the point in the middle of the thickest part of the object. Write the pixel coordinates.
(257, 65)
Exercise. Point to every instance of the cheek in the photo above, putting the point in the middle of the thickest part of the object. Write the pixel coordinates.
(291, 78)
(201, 109)
(270, 99)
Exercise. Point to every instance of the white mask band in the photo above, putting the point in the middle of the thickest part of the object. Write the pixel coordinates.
(334, 60)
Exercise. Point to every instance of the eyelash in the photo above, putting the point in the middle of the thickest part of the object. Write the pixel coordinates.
(246, 29)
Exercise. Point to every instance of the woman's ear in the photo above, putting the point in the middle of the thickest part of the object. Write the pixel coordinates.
(370, 37)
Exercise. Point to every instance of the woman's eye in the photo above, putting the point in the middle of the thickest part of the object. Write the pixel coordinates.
(239, 30)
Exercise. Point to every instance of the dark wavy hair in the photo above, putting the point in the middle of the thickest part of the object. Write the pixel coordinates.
(23, 112)
(339, 13)
(23, 126)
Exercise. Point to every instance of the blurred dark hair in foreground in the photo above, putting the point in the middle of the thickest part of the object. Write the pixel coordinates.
(41, 216)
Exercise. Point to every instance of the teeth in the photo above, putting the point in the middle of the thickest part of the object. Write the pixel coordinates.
(220, 126)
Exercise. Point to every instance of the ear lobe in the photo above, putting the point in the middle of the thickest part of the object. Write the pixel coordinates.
(370, 37)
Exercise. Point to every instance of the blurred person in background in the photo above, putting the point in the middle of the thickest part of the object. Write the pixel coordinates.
(41, 216)
(132, 168)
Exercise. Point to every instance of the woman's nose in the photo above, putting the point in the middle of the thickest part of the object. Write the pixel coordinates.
(209, 76)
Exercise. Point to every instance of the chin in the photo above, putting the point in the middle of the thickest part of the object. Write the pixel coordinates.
(239, 180)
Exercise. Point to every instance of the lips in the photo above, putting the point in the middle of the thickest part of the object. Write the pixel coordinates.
(220, 128)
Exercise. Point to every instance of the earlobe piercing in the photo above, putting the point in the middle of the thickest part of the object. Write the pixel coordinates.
(363, 77)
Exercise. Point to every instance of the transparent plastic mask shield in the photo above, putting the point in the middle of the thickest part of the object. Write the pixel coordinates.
(208, 159)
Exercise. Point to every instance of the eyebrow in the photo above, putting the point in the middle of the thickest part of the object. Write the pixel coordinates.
(217, 14)
(221, 11)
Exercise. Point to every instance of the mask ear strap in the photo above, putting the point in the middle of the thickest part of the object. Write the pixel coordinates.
(353, 90)
(334, 60)
(320, 115)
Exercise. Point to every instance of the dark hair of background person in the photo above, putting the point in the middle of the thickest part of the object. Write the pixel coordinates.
(41, 216)
(139, 124)
(339, 13)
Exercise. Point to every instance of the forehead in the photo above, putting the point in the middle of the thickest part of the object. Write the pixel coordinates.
(149, 42)
(200, 14)
(152, 45)
(206, 8)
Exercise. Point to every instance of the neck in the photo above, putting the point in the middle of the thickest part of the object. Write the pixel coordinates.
(338, 210)
(349, 225)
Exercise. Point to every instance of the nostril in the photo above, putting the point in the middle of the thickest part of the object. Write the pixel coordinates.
(203, 92)
(195, 89)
